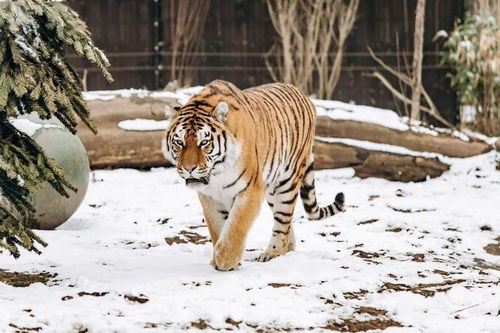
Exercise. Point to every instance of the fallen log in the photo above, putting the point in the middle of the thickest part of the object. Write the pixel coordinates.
(373, 163)
(442, 143)
(113, 147)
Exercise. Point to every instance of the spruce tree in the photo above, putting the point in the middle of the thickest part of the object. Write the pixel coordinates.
(35, 77)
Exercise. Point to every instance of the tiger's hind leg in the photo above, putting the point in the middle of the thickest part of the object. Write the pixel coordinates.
(282, 203)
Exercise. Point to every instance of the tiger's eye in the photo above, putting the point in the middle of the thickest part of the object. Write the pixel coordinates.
(178, 143)
(204, 143)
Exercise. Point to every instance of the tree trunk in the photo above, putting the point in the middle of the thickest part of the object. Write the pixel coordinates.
(418, 43)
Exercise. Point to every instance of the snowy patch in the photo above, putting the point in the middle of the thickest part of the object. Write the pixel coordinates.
(441, 34)
(383, 147)
(143, 125)
(107, 95)
(403, 254)
(29, 127)
(345, 111)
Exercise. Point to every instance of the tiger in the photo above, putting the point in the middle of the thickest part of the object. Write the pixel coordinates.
(235, 148)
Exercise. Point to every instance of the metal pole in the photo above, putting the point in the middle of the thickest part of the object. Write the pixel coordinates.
(157, 44)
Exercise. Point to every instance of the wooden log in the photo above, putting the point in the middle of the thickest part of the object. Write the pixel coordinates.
(442, 143)
(373, 163)
(114, 147)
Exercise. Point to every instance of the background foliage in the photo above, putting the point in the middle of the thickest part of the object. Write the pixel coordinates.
(473, 53)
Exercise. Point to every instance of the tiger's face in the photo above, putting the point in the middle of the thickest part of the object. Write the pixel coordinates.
(197, 142)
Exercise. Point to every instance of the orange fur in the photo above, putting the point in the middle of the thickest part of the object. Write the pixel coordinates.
(235, 148)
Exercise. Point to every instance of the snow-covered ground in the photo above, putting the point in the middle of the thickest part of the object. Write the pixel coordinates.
(409, 257)
(403, 257)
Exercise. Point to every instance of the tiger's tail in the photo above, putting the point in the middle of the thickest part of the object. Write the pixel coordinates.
(308, 196)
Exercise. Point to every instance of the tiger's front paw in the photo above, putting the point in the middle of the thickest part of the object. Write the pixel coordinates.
(226, 256)
(271, 254)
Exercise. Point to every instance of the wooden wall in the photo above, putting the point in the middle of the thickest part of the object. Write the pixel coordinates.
(238, 33)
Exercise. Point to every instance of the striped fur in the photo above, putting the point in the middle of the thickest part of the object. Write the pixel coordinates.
(238, 147)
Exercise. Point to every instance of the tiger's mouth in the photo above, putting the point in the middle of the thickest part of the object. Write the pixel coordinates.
(197, 181)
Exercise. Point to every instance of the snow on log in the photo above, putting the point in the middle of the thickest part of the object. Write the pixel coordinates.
(115, 147)
(442, 143)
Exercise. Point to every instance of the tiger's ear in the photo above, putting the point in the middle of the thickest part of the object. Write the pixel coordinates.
(172, 111)
(221, 110)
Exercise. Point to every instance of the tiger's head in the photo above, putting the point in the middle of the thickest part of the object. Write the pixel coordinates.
(198, 142)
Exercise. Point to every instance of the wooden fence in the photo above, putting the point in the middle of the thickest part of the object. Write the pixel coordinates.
(238, 34)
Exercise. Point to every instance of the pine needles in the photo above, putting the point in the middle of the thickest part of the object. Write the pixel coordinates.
(35, 77)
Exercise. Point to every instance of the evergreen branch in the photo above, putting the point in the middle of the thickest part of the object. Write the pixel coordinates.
(35, 77)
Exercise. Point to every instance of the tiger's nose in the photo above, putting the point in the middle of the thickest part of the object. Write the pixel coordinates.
(190, 168)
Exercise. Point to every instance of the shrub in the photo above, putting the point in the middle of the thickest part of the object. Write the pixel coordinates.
(472, 50)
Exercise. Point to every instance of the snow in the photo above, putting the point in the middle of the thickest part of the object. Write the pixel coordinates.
(383, 117)
(29, 127)
(346, 111)
(143, 125)
(107, 95)
(415, 233)
(383, 147)
(441, 34)
(182, 95)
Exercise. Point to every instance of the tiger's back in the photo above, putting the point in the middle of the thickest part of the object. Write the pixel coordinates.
(284, 122)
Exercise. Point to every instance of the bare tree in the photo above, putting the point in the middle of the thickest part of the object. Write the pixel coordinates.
(336, 23)
(186, 27)
(418, 45)
(414, 78)
(309, 31)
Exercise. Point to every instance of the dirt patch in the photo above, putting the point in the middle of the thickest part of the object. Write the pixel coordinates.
(136, 299)
(334, 234)
(355, 294)
(486, 228)
(373, 197)
(282, 285)
(485, 265)
(197, 284)
(94, 293)
(141, 299)
(368, 221)
(235, 323)
(187, 237)
(20, 329)
(424, 289)
(366, 255)
(371, 311)
(347, 325)
(85, 293)
(395, 229)
(493, 249)
(201, 324)
(163, 220)
(157, 325)
(418, 257)
(21, 279)
(403, 210)
(351, 325)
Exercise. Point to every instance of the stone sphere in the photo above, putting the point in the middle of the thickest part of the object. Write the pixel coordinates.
(67, 150)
